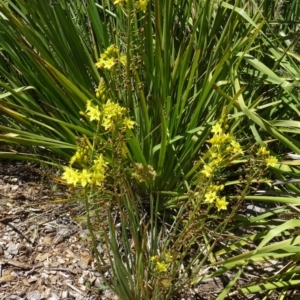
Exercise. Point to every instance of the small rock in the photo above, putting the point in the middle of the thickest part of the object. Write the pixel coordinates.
(14, 187)
(64, 294)
(15, 297)
(53, 297)
(32, 278)
(253, 210)
(98, 283)
(82, 265)
(34, 295)
(14, 179)
(12, 248)
(81, 280)
(110, 295)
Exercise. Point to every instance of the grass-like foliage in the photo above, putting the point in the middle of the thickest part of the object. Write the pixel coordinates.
(170, 115)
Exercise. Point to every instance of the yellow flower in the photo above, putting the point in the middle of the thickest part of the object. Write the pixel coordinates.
(154, 258)
(112, 50)
(262, 151)
(100, 161)
(226, 138)
(142, 5)
(73, 159)
(221, 203)
(97, 178)
(228, 149)
(144, 173)
(207, 170)
(161, 267)
(217, 128)
(71, 176)
(236, 147)
(101, 90)
(118, 2)
(123, 59)
(216, 188)
(108, 59)
(111, 109)
(210, 197)
(220, 187)
(108, 63)
(85, 177)
(213, 152)
(168, 257)
(108, 124)
(100, 63)
(216, 161)
(105, 63)
(128, 123)
(99, 167)
(112, 114)
(215, 140)
(88, 105)
(93, 113)
(271, 161)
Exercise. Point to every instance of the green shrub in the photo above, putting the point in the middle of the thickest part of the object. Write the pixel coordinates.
(178, 103)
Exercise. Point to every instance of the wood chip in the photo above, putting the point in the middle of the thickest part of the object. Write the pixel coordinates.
(7, 278)
(25, 281)
(42, 256)
(47, 240)
(15, 263)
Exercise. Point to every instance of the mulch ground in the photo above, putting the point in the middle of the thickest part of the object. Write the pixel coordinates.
(43, 250)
